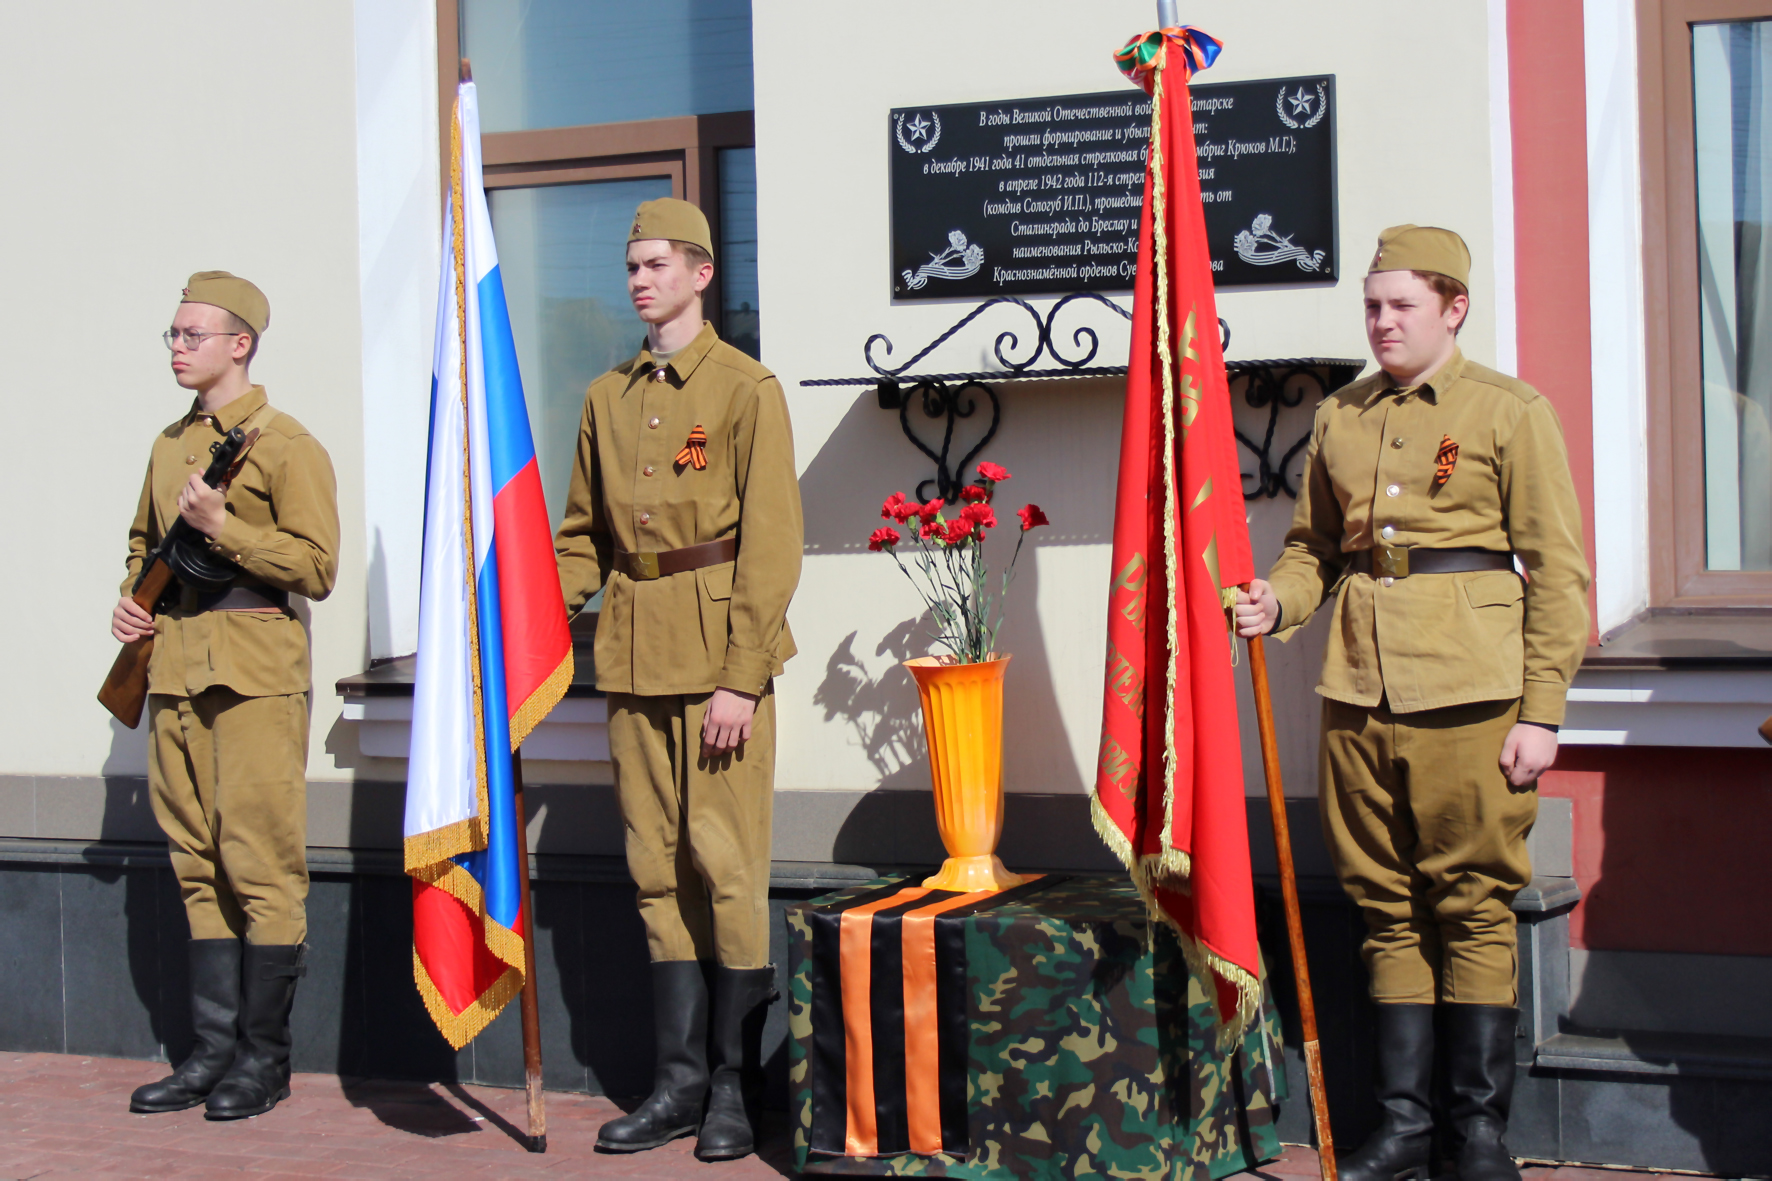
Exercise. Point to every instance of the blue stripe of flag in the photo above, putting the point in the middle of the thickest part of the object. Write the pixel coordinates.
(510, 446)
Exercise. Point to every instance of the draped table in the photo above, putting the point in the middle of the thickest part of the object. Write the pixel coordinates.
(1051, 1030)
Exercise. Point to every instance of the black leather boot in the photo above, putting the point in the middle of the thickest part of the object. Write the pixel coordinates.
(735, 1042)
(680, 1079)
(259, 1079)
(1403, 1143)
(215, 1019)
(1478, 1043)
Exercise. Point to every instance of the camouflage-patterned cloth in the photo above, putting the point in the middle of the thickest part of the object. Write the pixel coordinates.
(1093, 1049)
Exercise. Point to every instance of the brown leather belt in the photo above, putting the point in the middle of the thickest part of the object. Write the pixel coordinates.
(644, 567)
(1400, 561)
(251, 597)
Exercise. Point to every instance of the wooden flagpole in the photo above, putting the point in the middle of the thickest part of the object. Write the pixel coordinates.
(1307, 1009)
(538, 1114)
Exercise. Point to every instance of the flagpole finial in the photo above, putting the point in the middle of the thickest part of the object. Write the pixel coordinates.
(467, 70)
(1166, 14)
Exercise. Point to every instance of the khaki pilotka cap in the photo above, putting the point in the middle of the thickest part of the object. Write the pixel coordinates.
(677, 221)
(1423, 248)
(231, 294)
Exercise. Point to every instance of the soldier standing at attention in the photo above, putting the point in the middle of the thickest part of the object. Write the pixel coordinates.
(685, 509)
(227, 704)
(1444, 686)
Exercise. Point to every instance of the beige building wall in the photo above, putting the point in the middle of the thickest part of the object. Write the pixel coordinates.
(315, 176)
(848, 714)
(147, 142)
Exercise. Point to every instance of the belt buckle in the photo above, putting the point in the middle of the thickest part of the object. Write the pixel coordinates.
(644, 566)
(1391, 561)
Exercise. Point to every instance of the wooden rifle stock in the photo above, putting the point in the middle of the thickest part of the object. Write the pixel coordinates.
(125, 691)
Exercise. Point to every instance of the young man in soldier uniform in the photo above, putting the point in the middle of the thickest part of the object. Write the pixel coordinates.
(227, 704)
(685, 510)
(1444, 685)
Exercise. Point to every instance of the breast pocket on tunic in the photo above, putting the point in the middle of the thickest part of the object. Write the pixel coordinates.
(714, 584)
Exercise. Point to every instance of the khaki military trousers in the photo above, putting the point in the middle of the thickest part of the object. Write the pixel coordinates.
(697, 829)
(1429, 840)
(230, 788)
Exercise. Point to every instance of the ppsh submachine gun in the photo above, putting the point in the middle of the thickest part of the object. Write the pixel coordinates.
(183, 558)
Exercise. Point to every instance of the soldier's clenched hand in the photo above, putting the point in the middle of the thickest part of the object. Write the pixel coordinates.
(202, 507)
(1257, 609)
(129, 621)
(1528, 753)
(727, 724)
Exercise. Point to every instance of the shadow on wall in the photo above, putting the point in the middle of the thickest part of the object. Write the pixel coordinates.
(881, 712)
(1061, 440)
(885, 718)
(154, 923)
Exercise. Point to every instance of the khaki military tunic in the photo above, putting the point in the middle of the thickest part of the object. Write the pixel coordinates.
(721, 626)
(1425, 675)
(1429, 641)
(697, 829)
(227, 705)
(281, 529)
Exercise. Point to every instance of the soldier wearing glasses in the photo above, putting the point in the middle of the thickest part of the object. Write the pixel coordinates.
(227, 705)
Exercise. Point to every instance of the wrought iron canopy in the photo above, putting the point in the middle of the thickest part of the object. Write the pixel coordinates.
(1273, 385)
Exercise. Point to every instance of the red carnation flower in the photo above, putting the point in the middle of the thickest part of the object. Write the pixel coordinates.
(959, 531)
(972, 492)
(995, 473)
(931, 528)
(885, 537)
(889, 510)
(928, 511)
(1031, 517)
(981, 515)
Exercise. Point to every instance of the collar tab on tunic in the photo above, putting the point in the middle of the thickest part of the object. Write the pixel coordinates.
(1430, 387)
(234, 413)
(684, 361)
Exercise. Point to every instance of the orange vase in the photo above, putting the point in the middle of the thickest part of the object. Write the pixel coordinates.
(963, 718)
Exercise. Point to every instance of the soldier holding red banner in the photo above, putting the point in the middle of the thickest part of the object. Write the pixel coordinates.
(1444, 685)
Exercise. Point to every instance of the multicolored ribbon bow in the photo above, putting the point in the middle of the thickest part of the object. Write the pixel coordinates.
(695, 451)
(1142, 56)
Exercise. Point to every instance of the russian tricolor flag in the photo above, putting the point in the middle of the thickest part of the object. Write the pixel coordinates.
(494, 652)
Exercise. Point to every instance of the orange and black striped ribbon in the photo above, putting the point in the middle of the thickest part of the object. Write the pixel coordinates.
(695, 451)
(1445, 459)
(890, 1021)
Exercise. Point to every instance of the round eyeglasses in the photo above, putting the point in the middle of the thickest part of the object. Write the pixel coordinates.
(192, 339)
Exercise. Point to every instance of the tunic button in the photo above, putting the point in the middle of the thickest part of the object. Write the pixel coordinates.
(1397, 442)
(653, 425)
(658, 375)
(1388, 532)
(645, 518)
(1386, 581)
(647, 470)
(1394, 490)
(190, 459)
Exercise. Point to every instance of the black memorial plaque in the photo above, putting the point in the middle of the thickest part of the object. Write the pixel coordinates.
(1042, 196)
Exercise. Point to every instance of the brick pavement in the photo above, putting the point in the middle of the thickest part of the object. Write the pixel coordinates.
(65, 1116)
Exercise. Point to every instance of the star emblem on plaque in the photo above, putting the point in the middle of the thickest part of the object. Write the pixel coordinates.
(1302, 103)
(916, 127)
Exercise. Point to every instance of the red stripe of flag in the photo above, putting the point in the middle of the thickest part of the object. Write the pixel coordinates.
(451, 943)
(537, 637)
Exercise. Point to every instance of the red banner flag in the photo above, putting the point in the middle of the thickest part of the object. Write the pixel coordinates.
(1169, 794)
